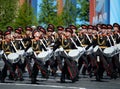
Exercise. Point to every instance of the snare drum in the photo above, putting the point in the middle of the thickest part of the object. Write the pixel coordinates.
(13, 57)
(74, 54)
(21, 52)
(109, 52)
(43, 56)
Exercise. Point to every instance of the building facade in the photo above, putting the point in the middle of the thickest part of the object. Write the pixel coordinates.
(104, 11)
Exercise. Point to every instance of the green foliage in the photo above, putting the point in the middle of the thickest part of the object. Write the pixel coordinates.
(49, 13)
(7, 13)
(83, 11)
(25, 16)
(69, 13)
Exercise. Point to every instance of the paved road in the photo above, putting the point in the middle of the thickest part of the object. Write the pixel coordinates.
(54, 83)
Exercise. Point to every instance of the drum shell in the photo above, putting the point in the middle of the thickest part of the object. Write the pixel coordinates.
(43, 56)
(110, 51)
(13, 57)
(74, 54)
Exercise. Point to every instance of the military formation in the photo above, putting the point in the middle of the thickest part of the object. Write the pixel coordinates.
(94, 50)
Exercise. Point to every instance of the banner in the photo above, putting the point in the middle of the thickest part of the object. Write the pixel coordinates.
(102, 12)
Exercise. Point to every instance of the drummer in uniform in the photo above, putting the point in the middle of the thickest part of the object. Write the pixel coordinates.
(19, 46)
(102, 36)
(8, 48)
(116, 34)
(27, 41)
(115, 65)
(67, 43)
(51, 38)
(38, 45)
(82, 42)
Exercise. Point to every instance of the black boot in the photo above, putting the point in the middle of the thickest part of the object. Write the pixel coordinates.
(33, 81)
(62, 80)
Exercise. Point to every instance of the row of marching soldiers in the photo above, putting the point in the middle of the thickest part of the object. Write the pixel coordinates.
(90, 40)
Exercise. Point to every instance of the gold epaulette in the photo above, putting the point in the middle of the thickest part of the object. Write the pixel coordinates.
(37, 52)
(84, 45)
(67, 50)
(103, 47)
(7, 52)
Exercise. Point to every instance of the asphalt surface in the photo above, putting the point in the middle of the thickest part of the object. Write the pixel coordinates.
(54, 83)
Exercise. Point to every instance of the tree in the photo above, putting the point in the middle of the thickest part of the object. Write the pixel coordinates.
(7, 13)
(48, 12)
(83, 11)
(25, 16)
(69, 13)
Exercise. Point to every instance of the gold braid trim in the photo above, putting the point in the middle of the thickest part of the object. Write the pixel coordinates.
(64, 46)
(100, 43)
(37, 46)
(6, 48)
(79, 38)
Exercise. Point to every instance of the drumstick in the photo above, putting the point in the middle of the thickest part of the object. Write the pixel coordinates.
(21, 42)
(109, 41)
(113, 39)
(88, 38)
(43, 44)
(14, 46)
(74, 42)
(78, 40)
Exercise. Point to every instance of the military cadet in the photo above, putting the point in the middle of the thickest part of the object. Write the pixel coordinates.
(58, 38)
(69, 64)
(39, 45)
(116, 34)
(114, 64)
(18, 45)
(83, 59)
(90, 40)
(8, 48)
(27, 41)
(51, 38)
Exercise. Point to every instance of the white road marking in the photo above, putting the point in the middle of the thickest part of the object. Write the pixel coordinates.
(52, 86)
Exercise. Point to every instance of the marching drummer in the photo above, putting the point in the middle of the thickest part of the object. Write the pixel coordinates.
(67, 43)
(116, 34)
(38, 45)
(8, 48)
(27, 41)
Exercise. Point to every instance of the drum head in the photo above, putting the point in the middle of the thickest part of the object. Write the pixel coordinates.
(13, 56)
(109, 50)
(20, 52)
(42, 54)
(73, 53)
